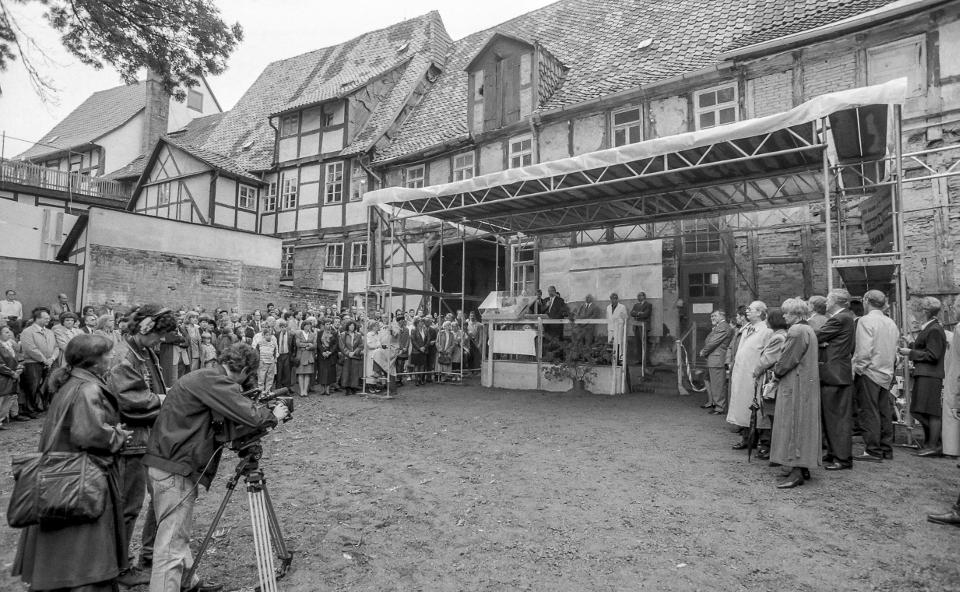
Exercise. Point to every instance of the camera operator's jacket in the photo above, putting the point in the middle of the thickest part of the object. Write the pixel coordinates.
(183, 441)
(137, 379)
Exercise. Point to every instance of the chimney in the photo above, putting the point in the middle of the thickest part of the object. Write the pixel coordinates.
(156, 113)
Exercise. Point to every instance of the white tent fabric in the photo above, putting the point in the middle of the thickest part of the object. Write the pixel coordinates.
(893, 92)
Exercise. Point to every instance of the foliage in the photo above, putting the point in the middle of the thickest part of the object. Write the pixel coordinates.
(575, 358)
(179, 40)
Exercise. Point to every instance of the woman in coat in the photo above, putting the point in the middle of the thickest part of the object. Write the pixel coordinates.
(306, 354)
(371, 371)
(419, 348)
(83, 417)
(752, 339)
(328, 354)
(351, 346)
(446, 344)
(106, 326)
(763, 375)
(927, 354)
(796, 424)
(10, 371)
(65, 331)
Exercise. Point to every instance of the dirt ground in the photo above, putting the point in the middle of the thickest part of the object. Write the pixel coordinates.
(464, 488)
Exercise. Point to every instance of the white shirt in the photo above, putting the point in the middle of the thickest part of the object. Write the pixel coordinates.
(616, 318)
(11, 309)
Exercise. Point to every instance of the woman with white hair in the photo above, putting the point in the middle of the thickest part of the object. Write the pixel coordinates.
(370, 369)
(796, 438)
(446, 342)
(927, 354)
(742, 384)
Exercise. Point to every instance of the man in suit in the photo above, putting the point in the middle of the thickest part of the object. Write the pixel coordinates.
(589, 309)
(61, 306)
(555, 308)
(642, 311)
(715, 351)
(818, 314)
(837, 339)
(286, 350)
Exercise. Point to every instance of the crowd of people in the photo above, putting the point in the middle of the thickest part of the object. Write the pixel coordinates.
(799, 381)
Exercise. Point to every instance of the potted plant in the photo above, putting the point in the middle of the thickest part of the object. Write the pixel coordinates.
(575, 358)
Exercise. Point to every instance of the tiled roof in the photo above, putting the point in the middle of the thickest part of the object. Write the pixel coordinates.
(599, 42)
(804, 15)
(214, 159)
(101, 113)
(198, 130)
(133, 169)
(304, 77)
(387, 110)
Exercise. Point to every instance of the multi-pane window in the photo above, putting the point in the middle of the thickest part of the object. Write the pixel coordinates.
(626, 126)
(194, 100)
(358, 255)
(524, 267)
(332, 114)
(290, 125)
(286, 262)
(717, 106)
(704, 285)
(463, 166)
(335, 255)
(288, 198)
(163, 194)
(333, 183)
(358, 181)
(416, 176)
(247, 198)
(270, 198)
(701, 236)
(521, 151)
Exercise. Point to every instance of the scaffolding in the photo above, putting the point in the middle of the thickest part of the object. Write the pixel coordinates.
(779, 161)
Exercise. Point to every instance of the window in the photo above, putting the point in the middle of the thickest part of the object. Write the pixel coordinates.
(717, 106)
(286, 262)
(333, 183)
(416, 176)
(463, 166)
(626, 126)
(194, 100)
(332, 114)
(521, 152)
(247, 199)
(704, 285)
(270, 198)
(358, 181)
(905, 58)
(358, 255)
(701, 236)
(290, 125)
(335, 255)
(524, 267)
(76, 163)
(163, 194)
(288, 200)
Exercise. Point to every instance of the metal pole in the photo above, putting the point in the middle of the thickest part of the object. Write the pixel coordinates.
(366, 298)
(826, 206)
(463, 288)
(496, 274)
(389, 307)
(900, 247)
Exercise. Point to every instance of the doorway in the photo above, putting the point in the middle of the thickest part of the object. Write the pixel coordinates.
(704, 291)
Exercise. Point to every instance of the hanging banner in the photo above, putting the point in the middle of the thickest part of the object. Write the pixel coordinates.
(876, 217)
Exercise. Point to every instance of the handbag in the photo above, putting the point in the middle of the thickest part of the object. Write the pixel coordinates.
(57, 487)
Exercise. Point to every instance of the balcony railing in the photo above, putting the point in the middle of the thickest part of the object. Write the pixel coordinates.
(32, 175)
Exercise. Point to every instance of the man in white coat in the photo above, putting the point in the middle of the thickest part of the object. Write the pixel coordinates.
(616, 320)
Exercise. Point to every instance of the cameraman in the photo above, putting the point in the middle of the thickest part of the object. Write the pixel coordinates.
(183, 453)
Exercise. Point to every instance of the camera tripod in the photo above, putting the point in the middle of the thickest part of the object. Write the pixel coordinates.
(266, 526)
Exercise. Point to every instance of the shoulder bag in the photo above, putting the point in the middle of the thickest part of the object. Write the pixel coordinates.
(57, 487)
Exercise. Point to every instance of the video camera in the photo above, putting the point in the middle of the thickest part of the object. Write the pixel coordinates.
(241, 437)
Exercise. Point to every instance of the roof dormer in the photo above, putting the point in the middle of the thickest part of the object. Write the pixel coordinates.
(501, 87)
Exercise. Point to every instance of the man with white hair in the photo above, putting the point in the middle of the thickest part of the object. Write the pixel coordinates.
(837, 340)
(616, 320)
(874, 360)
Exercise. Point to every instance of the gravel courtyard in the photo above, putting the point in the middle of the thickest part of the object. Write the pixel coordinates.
(464, 488)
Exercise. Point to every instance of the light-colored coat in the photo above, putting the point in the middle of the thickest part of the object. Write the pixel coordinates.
(796, 425)
(742, 385)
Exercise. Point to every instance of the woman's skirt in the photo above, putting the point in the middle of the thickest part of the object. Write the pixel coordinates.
(926, 392)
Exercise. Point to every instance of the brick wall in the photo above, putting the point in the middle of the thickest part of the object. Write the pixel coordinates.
(772, 93)
(838, 72)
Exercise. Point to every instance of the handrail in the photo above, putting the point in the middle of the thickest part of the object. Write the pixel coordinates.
(33, 175)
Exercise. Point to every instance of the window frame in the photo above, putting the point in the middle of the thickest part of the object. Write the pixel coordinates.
(363, 251)
(163, 190)
(521, 153)
(702, 231)
(252, 194)
(614, 128)
(332, 190)
(190, 95)
(332, 249)
(716, 107)
(410, 182)
(287, 256)
(358, 181)
(294, 117)
(471, 167)
(270, 198)
(288, 196)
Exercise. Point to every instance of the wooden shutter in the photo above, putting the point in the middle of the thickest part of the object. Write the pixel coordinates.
(491, 99)
(511, 89)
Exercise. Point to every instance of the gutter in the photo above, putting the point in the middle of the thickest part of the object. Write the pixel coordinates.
(848, 25)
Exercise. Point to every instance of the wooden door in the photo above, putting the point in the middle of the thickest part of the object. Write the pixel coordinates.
(703, 292)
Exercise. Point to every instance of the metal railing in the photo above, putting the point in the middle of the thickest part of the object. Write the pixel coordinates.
(32, 175)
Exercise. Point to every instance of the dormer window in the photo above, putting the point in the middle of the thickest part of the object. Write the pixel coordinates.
(290, 125)
(501, 83)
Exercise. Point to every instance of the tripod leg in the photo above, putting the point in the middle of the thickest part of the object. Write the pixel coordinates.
(286, 557)
(261, 539)
(213, 527)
